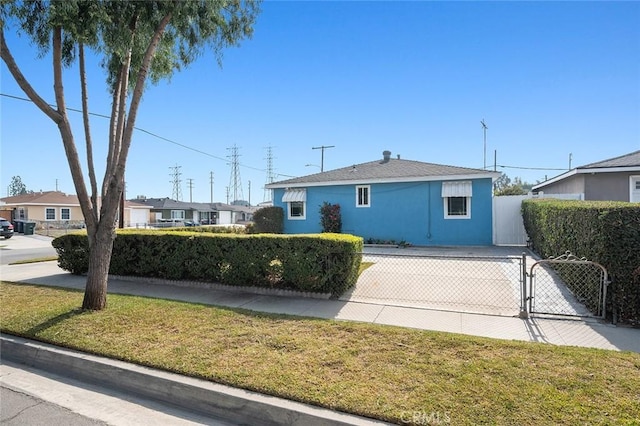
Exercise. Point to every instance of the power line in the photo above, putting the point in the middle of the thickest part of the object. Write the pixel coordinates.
(150, 134)
(529, 168)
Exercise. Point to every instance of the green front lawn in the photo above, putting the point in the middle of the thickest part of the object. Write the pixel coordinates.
(391, 373)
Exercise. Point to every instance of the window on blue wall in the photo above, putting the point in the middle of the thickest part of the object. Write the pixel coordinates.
(296, 210)
(457, 207)
(457, 199)
(362, 196)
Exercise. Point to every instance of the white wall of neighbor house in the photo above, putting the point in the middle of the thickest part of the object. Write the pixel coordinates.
(225, 218)
(139, 217)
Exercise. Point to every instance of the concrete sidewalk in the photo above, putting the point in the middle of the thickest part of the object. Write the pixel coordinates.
(573, 332)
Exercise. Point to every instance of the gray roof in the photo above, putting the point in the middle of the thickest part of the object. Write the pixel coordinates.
(387, 171)
(627, 160)
(169, 204)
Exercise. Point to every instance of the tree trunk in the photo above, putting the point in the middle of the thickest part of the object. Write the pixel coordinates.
(95, 294)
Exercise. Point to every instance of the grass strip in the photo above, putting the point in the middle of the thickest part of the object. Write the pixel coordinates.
(390, 373)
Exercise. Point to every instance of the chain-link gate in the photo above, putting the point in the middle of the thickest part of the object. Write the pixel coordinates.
(569, 286)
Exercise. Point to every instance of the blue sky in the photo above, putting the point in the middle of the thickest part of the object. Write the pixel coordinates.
(416, 78)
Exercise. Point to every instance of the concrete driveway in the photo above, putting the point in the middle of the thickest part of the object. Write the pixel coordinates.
(464, 279)
(24, 247)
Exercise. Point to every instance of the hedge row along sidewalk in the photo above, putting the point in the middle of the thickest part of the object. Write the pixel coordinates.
(376, 371)
(318, 263)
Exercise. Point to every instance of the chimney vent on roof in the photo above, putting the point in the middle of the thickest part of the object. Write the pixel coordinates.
(398, 156)
(386, 156)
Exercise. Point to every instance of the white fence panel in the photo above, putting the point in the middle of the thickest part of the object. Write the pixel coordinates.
(508, 228)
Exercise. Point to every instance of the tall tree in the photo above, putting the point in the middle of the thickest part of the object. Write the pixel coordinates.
(17, 187)
(139, 42)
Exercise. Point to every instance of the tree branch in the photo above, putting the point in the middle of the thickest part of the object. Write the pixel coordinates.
(8, 59)
(87, 128)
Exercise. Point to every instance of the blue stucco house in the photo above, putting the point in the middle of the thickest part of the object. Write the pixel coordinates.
(420, 203)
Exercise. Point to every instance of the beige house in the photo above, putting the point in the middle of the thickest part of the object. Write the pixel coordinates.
(59, 210)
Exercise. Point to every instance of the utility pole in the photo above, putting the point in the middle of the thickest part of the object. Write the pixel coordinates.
(484, 131)
(249, 193)
(227, 194)
(570, 158)
(322, 148)
(211, 184)
(495, 159)
(190, 185)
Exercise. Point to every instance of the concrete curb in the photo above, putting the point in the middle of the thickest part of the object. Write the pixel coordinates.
(200, 396)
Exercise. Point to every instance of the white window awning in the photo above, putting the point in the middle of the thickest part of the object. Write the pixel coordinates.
(456, 189)
(294, 195)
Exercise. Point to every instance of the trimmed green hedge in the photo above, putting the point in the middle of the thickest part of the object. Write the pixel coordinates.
(321, 263)
(601, 231)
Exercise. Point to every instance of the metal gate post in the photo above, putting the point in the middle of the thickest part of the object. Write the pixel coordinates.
(524, 313)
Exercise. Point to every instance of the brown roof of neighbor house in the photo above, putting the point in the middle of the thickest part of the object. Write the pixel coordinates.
(54, 198)
(627, 160)
(43, 198)
(387, 169)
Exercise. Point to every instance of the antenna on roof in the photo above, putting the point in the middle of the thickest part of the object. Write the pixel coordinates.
(323, 147)
(484, 131)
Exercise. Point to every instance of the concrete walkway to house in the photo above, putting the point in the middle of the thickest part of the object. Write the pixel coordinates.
(573, 332)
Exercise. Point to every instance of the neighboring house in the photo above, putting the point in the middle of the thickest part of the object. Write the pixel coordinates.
(53, 207)
(615, 179)
(58, 210)
(394, 199)
(168, 210)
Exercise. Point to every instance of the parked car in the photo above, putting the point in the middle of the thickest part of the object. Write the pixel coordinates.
(191, 223)
(7, 228)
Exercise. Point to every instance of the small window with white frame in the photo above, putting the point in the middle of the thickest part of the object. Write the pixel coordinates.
(296, 199)
(363, 196)
(457, 208)
(297, 210)
(50, 213)
(456, 196)
(65, 213)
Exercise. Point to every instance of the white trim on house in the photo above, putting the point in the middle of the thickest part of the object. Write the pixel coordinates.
(585, 171)
(491, 175)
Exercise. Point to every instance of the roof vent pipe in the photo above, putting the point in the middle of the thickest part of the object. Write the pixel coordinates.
(386, 156)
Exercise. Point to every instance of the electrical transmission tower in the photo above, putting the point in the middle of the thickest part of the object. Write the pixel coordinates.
(177, 183)
(268, 193)
(235, 183)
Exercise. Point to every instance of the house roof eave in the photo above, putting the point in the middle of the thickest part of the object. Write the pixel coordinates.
(492, 175)
(581, 170)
